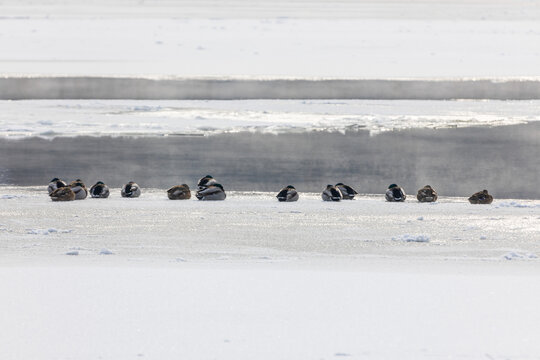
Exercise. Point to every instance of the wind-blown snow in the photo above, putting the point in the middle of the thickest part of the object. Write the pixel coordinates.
(53, 118)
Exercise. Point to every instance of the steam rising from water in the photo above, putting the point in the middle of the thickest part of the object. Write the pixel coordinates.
(456, 162)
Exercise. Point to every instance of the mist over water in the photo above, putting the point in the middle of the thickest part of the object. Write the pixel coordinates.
(456, 162)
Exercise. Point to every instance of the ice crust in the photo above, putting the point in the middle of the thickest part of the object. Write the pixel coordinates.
(199, 118)
(228, 279)
(256, 227)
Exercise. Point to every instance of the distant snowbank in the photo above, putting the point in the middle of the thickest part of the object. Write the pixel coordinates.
(137, 88)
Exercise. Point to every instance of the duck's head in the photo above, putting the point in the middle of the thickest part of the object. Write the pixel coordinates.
(329, 186)
(392, 186)
(100, 183)
(339, 184)
(78, 183)
(54, 180)
(428, 186)
(290, 187)
(484, 192)
(219, 186)
(185, 185)
(208, 177)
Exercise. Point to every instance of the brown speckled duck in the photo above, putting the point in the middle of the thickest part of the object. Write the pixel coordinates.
(80, 190)
(63, 194)
(481, 197)
(427, 194)
(179, 192)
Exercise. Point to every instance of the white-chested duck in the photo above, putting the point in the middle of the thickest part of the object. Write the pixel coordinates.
(206, 181)
(347, 192)
(99, 190)
(212, 192)
(331, 193)
(131, 190)
(395, 194)
(55, 183)
(80, 190)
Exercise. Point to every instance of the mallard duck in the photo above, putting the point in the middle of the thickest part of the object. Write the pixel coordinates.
(481, 197)
(99, 190)
(63, 193)
(331, 193)
(80, 190)
(347, 192)
(426, 194)
(206, 182)
(395, 194)
(179, 192)
(288, 194)
(212, 192)
(55, 183)
(131, 190)
(77, 181)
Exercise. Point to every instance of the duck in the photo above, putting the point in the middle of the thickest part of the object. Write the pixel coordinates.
(77, 181)
(212, 192)
(481, 197)
(288, 194)
(131, 190)
(347, 192)
(179, 192)
(331, 193)
(427, 194)
(63, 193)
(99, 190)
(206, 181)
(80, 190)
(55, 183)
(395, 194)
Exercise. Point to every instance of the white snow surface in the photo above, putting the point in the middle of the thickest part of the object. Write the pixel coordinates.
(53, 118)
(253, 226)
(252, 278)
(299, 39)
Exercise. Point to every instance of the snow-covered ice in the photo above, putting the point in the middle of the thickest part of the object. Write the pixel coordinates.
(250, 277)
(53, 118)
(307, 39)
(252, 225)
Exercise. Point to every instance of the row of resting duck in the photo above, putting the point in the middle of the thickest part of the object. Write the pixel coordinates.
(210, 189)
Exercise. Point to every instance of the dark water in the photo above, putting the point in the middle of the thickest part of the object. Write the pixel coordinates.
(457, 162)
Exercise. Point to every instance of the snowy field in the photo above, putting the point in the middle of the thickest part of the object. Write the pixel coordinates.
(53, 118)
(253, 278)
(301, 39)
